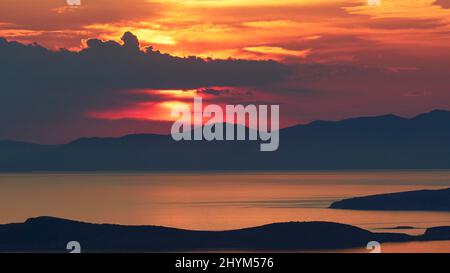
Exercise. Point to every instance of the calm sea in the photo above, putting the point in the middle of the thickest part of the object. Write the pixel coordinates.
(219, 201)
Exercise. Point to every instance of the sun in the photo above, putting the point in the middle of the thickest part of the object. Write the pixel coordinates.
(374, 2)
(174, 104)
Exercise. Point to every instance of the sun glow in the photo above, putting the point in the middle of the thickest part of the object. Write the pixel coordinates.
(178, 93)
(160, 111)
(270, 50)
(173, 104)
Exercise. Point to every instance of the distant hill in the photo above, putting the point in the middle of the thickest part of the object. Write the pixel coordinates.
(48, 234)
(423, 200)
(383, 142)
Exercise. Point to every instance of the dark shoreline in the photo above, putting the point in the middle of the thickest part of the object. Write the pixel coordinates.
(49, 234)
(421, 200)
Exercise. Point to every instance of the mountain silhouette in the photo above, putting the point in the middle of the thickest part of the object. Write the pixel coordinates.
(382, 142)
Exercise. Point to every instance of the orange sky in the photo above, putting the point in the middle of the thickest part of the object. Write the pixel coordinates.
(282, 29)
(385, 56)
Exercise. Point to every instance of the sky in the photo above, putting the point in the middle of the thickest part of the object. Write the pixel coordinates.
(111, 67)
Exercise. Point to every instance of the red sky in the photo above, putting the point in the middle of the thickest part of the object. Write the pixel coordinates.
(350, 57)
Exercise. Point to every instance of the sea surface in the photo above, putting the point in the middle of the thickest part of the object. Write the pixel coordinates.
(222, 201)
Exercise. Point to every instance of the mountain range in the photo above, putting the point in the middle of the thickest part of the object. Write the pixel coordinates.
(381, 142)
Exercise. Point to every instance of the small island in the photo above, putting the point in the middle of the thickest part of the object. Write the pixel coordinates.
(422, 200)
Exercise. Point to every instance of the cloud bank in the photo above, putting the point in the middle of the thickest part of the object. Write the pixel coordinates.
(44, 90)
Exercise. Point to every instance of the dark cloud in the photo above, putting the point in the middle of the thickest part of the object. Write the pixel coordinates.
(113, 65)
(44, 91)
(443, 3)
(214, 92)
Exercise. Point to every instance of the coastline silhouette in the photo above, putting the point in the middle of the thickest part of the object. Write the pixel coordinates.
(423, 200)
(50, 234)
